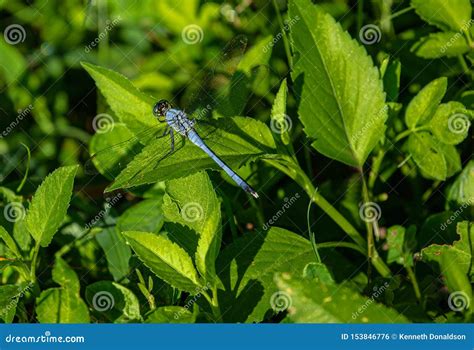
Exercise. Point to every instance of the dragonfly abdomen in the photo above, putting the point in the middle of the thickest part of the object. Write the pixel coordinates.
(196, 139)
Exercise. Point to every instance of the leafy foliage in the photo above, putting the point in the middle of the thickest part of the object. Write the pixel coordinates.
(353, 125)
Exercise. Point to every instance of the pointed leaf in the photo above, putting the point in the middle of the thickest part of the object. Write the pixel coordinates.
(446, 15)
(166, 259)
(49, 204)
(442, 44)
(342, 104)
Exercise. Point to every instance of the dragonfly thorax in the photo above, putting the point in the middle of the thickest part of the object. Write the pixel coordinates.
(179, 121)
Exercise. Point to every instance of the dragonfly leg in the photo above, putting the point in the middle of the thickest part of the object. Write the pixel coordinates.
(167, 130)
(172, 140)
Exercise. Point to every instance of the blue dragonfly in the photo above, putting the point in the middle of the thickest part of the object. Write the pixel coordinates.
(177, 121)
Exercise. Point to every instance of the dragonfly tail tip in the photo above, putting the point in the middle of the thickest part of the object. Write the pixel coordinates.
(253, 193)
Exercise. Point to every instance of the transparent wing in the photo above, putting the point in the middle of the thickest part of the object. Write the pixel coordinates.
(212, 84)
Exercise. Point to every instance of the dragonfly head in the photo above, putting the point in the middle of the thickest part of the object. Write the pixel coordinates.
(160, 109)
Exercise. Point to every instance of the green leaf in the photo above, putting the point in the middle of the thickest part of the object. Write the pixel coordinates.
(236, 141)
(117, 252)
(452, 159)
(10, 243)
(450, 124)
(132, 107)
(280, 121)
(13, 63)
(64, 304)
(342, 103)
(49, 204)
(171, 314)
(9, 296)
(247, 268)
(428, 156)
(442, 44)
(309, 301)
(446, 15)
(115, 302)
(423, 106)
(462, 190)
(192, 202)
(166, 259)
(401, 243)
(318, 272)
(455, 260)
(391, 71)
(133, 219)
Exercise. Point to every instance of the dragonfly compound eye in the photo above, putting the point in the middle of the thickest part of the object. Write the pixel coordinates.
(160, 108)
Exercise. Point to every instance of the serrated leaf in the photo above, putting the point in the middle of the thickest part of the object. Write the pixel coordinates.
(171, 314)
(462, 190)
(315, 302)
(166, 259)
(235, 140)
(427, 155)
(446, 15)
(280, 121)
(455, 260)
(423, 106)
(10, 243)
(133, 219)
(64, 304)
(342, 103)
(401, 243)
(192, 202)
(247, 268)
(49, 204)
(113, 301)
(132, 107)
(442, 44)
(450, 124)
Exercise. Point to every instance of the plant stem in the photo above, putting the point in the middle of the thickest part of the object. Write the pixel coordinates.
(311, 234)
(342, 245)
(360, 14)
(414, 282)
(401, 12)
(34, 262)
(286, 43)
(289, 167)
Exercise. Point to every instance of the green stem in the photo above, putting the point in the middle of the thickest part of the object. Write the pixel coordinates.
(414, 282)
(34, 262)
(464, 66)
(286, 43)
(311, 234)
(401, 12)
(214, 303)
(360, 14)
(349, 245)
